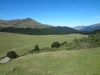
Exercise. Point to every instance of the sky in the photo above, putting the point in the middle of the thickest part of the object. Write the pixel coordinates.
(69, 13)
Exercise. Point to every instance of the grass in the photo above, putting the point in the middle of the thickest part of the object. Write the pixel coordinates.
(23, 43)
(74, 62)
(61, 62)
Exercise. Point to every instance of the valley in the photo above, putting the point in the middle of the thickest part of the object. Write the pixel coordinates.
(23, 43)
(49, 37)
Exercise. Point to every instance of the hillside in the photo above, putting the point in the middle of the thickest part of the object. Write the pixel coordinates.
(32, 27)
(89, 28)
(22, 23)
(75, 62)
(43, 31)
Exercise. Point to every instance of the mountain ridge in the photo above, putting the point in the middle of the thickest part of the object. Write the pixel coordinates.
(89, 28)
(23, 23)
(79, 27)
(32, 27)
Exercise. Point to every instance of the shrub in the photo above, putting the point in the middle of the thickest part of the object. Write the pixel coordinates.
(12, 54)
(46, 49)
(63, 43)
(29, 52)
(75, 40)
(55, 44)
(36, 48)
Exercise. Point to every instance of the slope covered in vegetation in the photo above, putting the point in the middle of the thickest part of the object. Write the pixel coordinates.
(23, 43)
(74, 62)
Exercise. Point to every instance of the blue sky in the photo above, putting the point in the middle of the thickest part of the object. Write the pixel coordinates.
(53, 12)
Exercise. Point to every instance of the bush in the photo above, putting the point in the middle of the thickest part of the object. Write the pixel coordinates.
(36, 49)
(12, 54)
(29, 52)
(63, 43)
(55, 44)
(46, 49)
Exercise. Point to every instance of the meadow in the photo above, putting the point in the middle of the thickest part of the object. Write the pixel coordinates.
(72, 62)
(23, 43)
(61, 62)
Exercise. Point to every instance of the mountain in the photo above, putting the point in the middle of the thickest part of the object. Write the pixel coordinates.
(79, 27)
(22, 23)
(32, 27)
(91, 27)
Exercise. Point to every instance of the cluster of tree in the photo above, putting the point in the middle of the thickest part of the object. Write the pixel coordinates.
(12, 54)
(43, 31)
(55, 44)
(54, 47)
(36, 49)
(92, 41)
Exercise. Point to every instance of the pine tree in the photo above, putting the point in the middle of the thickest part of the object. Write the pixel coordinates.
(36, 48)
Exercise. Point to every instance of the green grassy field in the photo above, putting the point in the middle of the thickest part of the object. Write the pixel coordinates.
(23, 43)
(74, 62)
(61, 62)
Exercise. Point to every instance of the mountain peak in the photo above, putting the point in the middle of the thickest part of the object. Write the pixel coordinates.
(22, 23)
(28, 19)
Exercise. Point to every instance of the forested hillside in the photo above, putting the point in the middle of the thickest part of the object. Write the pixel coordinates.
(43, 31)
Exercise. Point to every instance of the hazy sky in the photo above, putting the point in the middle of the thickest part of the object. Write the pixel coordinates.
(54, 12)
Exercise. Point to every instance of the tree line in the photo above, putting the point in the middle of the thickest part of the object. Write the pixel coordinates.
(92, 41)
(43, 31)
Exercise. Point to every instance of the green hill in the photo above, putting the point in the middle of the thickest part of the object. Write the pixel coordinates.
(32, 27)
(22, 23)
(75, 62)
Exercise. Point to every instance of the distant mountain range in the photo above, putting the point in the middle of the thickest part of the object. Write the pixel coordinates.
(22, 23)
(32, 27)
(30, 23)
(88, 28)
(79, 27)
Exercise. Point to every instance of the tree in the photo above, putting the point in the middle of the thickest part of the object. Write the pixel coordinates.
(36, 48)
(12, 54)
(63, 43)
(55, 44)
